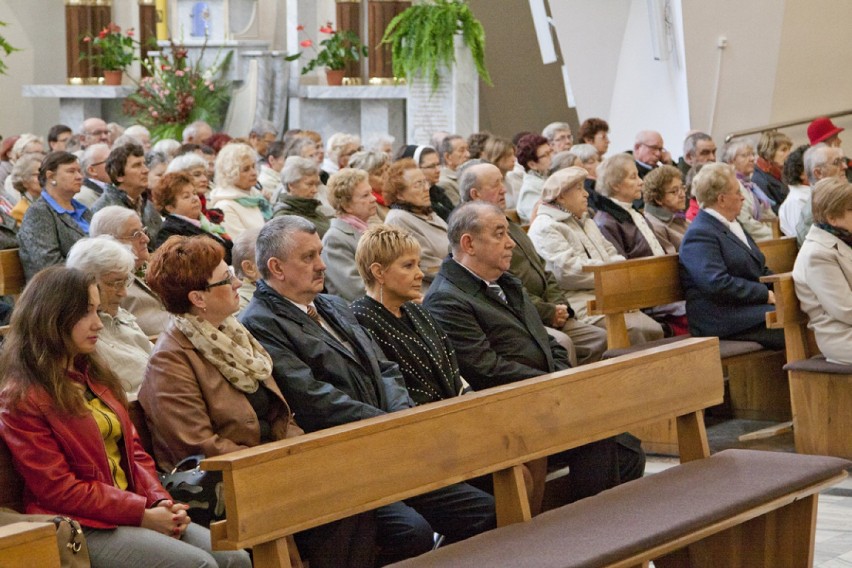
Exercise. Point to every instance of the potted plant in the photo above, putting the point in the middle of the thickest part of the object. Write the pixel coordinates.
(177, 93)
(422, 39)
(113, 52)
(338, 49)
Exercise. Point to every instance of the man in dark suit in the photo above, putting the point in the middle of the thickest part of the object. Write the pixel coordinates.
(499, 337)
(721, 266)
(331, 372)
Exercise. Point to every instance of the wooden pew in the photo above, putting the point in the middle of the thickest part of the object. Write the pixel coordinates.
(29, 545)
(820, 392)
(486, 432)
(11, 273)
(756, 380)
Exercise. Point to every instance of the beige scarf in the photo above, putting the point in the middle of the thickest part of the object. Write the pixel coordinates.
(230, 348)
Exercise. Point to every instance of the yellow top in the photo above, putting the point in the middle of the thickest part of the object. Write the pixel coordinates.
(110, 428)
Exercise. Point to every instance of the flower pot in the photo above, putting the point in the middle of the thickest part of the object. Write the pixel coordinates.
(334, 76)
(112, 76)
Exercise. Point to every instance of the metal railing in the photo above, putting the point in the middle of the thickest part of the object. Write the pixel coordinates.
(787, 124)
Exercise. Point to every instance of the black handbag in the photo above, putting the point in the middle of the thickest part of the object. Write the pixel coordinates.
(201, 490)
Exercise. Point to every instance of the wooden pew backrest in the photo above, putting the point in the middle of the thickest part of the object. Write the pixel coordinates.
(780, 253)
(491, 431)
(11, 273)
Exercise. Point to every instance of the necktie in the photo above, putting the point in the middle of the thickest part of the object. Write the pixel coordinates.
(312, 313)
(497, 290)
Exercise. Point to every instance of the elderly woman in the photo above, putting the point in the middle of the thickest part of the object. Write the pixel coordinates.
(64, 419)
(567, 239)
(595, 131)
(823, 270)
(177, 200)
(501, 152)
(618, 185)
(757, 210)
(270, 170)
(721, 266)
(157, 163)
(772, 151)
(665, 204)
(407, 193)
(590, 159)
(125, 226)
(339, 149)
(426, 158)
(800, 191)
(376, 165)
(236, 175)
(26, 145)
(301, 181)
(55, 221)
(25, 180)
(196, 166)
(533, 153)
(122, 344)
(353, 199)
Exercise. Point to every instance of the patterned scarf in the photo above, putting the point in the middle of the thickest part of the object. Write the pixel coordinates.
(416, 209)
(769, 167)
(841, 234)
(230, 348)
(762, 202)
(257, 201)
(213, 228)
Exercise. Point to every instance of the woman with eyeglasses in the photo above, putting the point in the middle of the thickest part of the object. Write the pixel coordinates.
(55, 221)
(407, 193)
(426, 158)
(665, 204)
(124, 225)
(756, 212)
(121, 344)
(534, 154)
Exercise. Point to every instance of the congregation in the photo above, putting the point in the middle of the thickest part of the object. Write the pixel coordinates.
(247, 290)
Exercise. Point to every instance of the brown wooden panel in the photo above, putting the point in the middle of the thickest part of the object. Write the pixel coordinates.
(11, 273)
(147, 32)
(457, 440)
(349, 19)
(76, 26)
(26, 545)
(637, 283)
(380, 14)
(780, 253)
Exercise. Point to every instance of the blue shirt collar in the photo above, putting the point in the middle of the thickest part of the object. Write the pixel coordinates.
(76, 214)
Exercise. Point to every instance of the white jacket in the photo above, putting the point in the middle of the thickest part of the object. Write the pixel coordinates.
(238, 218)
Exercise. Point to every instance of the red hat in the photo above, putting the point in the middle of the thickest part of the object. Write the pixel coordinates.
(821, 130)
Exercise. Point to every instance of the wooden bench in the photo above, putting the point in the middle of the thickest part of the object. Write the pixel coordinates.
(28, 545)
(496, 430)
(11, 273)
(756, 381)
(820, 392)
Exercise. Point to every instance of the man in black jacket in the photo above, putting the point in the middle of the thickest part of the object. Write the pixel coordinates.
(499, 337)
(332, 372)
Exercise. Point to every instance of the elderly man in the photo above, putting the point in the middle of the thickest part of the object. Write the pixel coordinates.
(332, 372)
(698, 148)
(499, 337)
(197, 133)
(559, 135)
(821, 161)
(648, 151)
(261, 135)
(141, 134)
(453, 152)
(94, 131)
(93, 164)
(584, 343)
(129, 176)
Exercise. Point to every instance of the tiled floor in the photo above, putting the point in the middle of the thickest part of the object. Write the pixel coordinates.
(834, 514)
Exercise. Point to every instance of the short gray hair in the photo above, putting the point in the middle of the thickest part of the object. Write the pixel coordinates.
(815, 157)
(136, 130)
(99, 255)
(154, 158)
(186, 162)
(262, 127)
(244, 249)
(562, 160)
(467, 219)
(294, 147)
(338, 141)
(167, 146)
(551, 129)
(729, 150)
(690, 143)
(110, 220)
(88, 156)
(612, 172)
(295, 168)
(368, 160)
(228, 163)
(376, 141)
(22, 167)
(447, 146)
(711, 182)
(21, 144)
(276, 239)
(585, 152)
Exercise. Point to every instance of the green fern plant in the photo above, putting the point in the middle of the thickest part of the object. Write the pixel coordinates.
(5, 50)
(421, 39)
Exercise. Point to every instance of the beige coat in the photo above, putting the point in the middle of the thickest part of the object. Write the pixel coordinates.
(125, 348)
(146, 307)
(238, 218)
(430, 232)
(823, 278)
(192, 409)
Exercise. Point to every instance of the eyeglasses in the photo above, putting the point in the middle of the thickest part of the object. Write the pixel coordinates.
(224, 282)
(564, 138)
(119, 285)
(546, 154)
(841, 161)
(420, 183)
(97, 164)
(676, 190)
(654, 148)
(136, 235)
(98, 132)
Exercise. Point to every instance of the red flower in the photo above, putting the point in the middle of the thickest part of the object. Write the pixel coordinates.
(306, 43)
(327, 29)
(87, 39)
(130, 32)
(300, 28)
(103, 33)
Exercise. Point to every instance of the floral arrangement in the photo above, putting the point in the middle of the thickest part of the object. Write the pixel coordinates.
(337, 50)
(177, 93)
(114, 51)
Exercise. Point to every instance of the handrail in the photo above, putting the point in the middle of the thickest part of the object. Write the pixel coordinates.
(777, 125)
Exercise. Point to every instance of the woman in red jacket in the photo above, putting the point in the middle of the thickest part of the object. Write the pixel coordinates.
(63, 414)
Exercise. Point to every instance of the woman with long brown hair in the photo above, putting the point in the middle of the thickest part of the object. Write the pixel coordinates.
(63, 415)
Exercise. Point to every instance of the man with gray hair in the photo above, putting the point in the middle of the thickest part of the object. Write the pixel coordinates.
(698, 148)
(453, 152)
(585, 343)
(499, 338)
(261, 135)
(92, 131)
(197, 133)
(559, 135)
(821, 161)
(332, 372)
(648, 150)
(95, 180)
